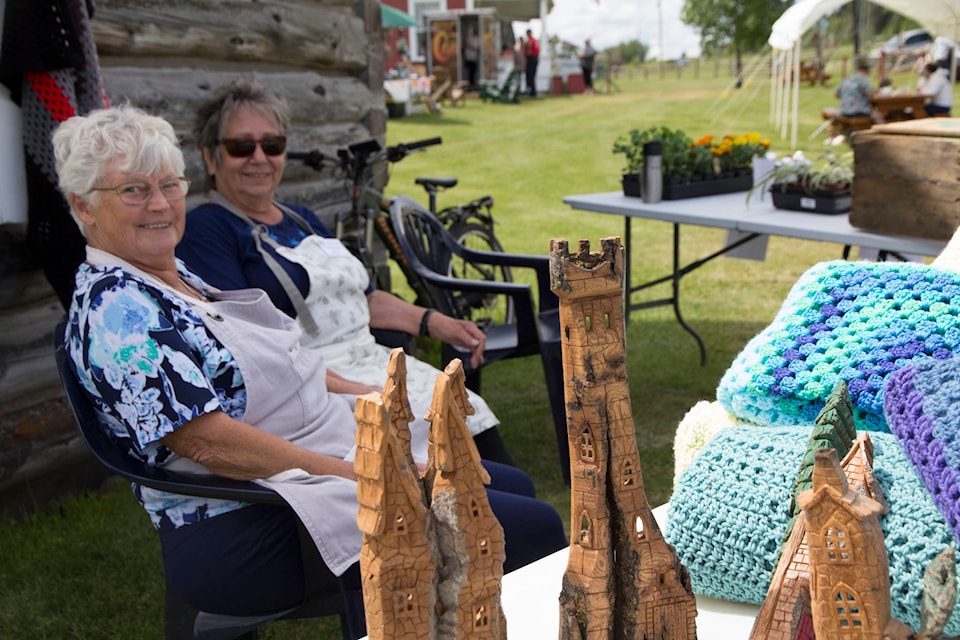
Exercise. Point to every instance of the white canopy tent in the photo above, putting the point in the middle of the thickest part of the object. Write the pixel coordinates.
(939, 17)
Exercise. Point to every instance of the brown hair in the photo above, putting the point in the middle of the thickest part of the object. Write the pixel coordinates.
(220, 107)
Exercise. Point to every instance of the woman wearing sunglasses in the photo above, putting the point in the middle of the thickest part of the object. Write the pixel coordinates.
(243, 237)
(195, 379)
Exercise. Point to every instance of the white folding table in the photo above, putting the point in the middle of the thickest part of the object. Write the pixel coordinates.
(745, 222)
(531, 602)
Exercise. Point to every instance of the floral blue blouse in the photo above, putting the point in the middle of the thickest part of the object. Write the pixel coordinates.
(149, 366)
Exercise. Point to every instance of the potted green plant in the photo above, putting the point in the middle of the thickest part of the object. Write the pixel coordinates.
(630, 145)
(692, 168)
(821, 186)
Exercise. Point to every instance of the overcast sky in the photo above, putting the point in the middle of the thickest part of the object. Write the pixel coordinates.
(609, 22)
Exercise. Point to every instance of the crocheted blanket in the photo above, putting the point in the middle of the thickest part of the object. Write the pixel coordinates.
(923, 410)
(729, 511)
(852, 321)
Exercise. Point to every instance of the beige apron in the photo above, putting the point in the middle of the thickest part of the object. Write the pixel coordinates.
(286, 396)
(338, 323)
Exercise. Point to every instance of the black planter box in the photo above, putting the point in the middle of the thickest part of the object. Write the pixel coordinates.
(798, 199)
(709, 187)
(631, 185)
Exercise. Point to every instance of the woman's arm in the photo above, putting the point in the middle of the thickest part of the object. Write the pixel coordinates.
(338, 384)
(390, 312)
(238, 450)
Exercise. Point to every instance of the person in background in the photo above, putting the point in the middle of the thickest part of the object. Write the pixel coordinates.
(854, 92)
(471, 57)
(935, 84)
(941, 52)
(587, 56)
(531, 51)
(243, 237)
(186, 377)
(520, 56)
(886, 87)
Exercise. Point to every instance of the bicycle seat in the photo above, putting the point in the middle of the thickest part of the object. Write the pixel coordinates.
(431, 184)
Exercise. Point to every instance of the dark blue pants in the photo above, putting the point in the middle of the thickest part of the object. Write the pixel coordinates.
(532, 62)
(249, 561)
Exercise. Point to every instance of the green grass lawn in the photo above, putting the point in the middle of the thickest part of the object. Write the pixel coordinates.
(90, 567)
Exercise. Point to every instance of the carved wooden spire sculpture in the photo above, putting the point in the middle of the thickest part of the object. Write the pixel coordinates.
(470, 538)
(433, 552)
(623, 580)
(396, 559)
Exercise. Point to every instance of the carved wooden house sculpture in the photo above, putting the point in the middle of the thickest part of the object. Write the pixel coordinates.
(433, 552)
(786, 611)
(623, 580)
(849, 572)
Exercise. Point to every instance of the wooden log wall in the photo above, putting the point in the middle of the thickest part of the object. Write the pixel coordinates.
(324, 56)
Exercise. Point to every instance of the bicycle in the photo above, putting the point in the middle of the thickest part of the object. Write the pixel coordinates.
(471, 224)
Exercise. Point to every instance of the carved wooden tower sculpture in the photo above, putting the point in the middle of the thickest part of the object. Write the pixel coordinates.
(623, 580)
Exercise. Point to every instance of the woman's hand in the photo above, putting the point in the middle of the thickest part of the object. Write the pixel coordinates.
(460, 333)
(390, 312)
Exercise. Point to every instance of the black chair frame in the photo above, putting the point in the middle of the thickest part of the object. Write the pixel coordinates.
(181, 621)
(429, 247)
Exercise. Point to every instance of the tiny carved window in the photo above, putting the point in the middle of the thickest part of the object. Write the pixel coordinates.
(835, 542)
(606, 320)
(401, 523)
(587, 323)
(475, 508)
(483, 546)
(406, 602)
(627, 474)
(587, 452)
(849, 614)
(481, 620)
(585, 534)
(641, 534)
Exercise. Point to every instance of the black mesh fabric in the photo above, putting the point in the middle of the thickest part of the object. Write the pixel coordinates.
(48, 61)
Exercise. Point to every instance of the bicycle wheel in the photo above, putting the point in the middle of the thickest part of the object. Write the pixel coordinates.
(476, 306)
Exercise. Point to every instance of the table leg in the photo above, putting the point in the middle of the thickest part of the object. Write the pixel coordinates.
(626, 271)
(674, 277)
(677, 275)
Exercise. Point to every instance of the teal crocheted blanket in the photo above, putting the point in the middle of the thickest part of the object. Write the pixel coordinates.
(731, 506)
(851, 321)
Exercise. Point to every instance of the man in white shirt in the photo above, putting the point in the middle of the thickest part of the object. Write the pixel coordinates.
(935, 83)
(941, 52)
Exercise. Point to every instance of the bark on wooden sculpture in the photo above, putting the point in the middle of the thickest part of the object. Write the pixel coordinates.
(470, 538)
(623, 580)
(433, 552)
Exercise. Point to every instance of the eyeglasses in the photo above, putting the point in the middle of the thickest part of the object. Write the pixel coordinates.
(244, 148)
(140, 192)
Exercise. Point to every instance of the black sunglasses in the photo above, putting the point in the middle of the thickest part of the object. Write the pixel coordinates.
(244, 148)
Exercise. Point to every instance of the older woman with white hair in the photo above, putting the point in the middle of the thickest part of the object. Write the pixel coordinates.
(190, 378)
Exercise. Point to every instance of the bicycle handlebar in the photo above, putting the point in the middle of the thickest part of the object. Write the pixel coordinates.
(402, 150)
(313, 159)
(355, 158)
